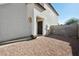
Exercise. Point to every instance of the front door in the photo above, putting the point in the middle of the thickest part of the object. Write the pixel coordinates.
(40, 27)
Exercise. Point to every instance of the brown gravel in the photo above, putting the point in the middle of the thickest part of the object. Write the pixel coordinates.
(41, 46)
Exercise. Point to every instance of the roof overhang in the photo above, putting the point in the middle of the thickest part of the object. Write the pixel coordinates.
(53, 8)
(40, 6)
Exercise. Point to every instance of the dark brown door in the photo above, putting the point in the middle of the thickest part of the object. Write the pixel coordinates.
(39, 27)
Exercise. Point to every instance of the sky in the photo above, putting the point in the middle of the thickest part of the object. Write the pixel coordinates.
(66, 11)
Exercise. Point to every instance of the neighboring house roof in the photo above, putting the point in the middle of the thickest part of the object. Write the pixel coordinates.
(53, 8)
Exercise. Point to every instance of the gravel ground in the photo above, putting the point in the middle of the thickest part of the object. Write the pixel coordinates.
(41, 46)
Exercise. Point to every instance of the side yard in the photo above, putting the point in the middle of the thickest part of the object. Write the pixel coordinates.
(41, 46)
(70, 33)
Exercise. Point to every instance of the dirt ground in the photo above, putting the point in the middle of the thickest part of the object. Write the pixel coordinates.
(41, 46)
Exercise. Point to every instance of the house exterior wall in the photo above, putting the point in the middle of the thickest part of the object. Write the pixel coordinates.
(50, 18)
(30, 13)
(13, 21)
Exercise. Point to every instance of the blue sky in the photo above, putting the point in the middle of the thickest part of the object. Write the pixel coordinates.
(66, 11)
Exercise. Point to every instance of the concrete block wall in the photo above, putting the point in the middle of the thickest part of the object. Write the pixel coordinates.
(65, 30)
(78, 31)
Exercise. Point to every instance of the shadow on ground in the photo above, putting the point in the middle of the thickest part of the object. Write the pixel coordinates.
(74, 43)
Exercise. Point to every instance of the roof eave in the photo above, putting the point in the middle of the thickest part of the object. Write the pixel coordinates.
(53, 9)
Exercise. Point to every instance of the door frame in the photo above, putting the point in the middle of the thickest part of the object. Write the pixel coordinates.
(38, 19)
(41, 28)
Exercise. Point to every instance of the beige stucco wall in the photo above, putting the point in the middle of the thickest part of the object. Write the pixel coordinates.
(13, 21)
(50, 18)
(30, 14)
